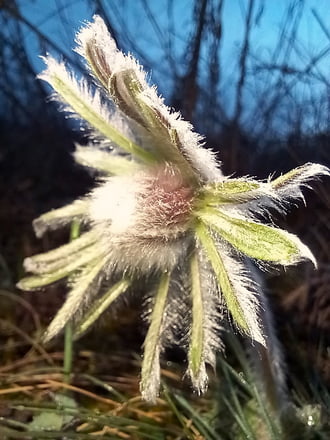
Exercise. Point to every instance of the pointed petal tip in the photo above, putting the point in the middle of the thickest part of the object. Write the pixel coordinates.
(96, 30)
(299, 177)
(253, 331)
(51, 65)
(39, 227)
(55, 328)
(259, 338)
(20, 285)
(199, 379)
(318, 169)
(28, 264)
(24, 284)
(308, 255)
(47, 337)
(149, 392)
(303, 253)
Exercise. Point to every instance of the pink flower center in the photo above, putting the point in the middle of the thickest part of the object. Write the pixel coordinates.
(164, 204)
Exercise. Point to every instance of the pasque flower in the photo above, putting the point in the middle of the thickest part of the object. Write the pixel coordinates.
(161, 215)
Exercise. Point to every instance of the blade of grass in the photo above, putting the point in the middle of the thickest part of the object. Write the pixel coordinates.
(234, 405)
(201, 424)
(177, 413)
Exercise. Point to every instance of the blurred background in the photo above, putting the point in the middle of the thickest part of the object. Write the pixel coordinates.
(253, 78)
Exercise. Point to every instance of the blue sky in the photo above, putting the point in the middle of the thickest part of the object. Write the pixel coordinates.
(133, 23)
(75, 12)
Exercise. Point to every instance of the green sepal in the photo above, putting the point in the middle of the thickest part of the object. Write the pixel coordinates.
(126, 90)
(60, 217)
(197, 337)
(100, 306)
(256, 240)
(229, 191)
(40, 263)
(104, 161)
(83, 288)
(223, 278)
(284, 179)
(85, 110)
(96, 58)
(152, 345)
(39, 281)
(295, 174)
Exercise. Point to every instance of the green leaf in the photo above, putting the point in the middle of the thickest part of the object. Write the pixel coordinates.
(150, 373)
(85, 109)
(222, 276)
(257, 240)
(197, 340)
(229, 191)
(54, 421)
(47, 421)
(100, 306)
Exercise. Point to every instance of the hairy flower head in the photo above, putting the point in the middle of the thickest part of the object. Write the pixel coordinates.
(163, 213)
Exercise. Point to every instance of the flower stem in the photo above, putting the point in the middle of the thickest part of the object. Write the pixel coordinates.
(68, 351)
(68, 334)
